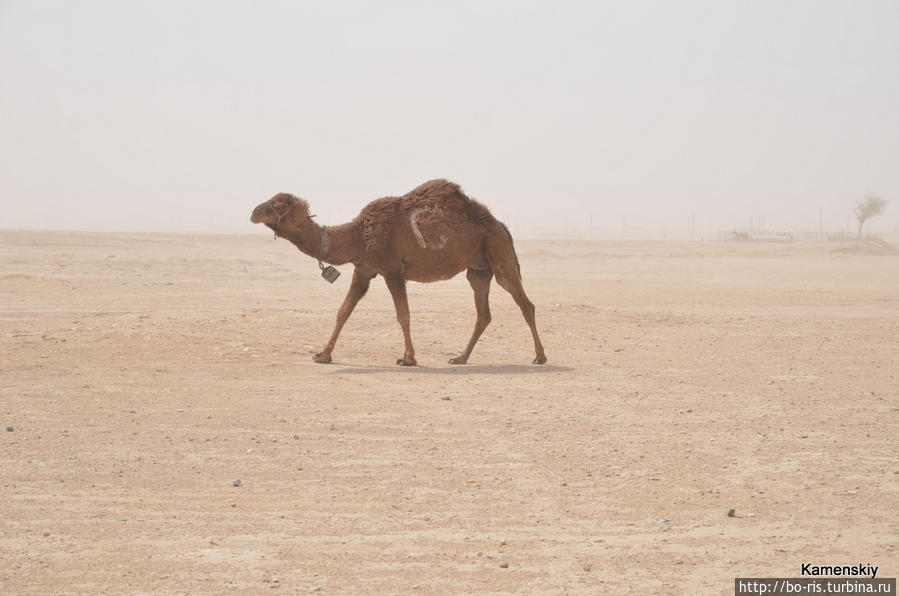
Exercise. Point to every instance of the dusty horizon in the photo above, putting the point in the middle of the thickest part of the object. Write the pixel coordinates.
(566, 231)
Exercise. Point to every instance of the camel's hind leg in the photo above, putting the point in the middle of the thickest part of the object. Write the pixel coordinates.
(358, 287)
(502, 259)
(480, 283)
(397, 286)
(512, 284)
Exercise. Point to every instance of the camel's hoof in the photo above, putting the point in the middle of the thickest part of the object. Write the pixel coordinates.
(458, 360)
(322, 358)
(404, 362)
(540, 360)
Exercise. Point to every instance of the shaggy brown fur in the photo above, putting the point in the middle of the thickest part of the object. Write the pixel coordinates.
(431, 233)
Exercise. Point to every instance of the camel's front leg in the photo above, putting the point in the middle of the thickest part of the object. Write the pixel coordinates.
(397, 286)
(358, 287)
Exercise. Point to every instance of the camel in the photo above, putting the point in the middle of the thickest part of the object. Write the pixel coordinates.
(431, 233)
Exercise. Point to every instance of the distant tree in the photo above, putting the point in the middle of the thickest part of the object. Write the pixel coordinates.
(870, 206)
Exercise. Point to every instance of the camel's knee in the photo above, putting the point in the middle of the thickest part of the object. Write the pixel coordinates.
(482, 321)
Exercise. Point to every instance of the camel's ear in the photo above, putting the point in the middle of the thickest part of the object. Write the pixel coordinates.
(291, 201)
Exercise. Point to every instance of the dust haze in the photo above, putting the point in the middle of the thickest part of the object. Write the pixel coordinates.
(582, 119)
(703, 200)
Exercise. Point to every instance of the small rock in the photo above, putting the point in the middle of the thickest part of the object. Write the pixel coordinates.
(587, 567)
(446, 398)
(731, 512)
(236, 483)
(9, 429)
(504, 565)
(46, 534)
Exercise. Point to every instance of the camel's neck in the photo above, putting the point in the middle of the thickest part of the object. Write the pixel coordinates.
(336, 245)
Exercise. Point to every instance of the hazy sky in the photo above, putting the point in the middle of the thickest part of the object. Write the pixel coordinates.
(182, 116)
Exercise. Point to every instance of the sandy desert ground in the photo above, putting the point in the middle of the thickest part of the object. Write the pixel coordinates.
(142, 375)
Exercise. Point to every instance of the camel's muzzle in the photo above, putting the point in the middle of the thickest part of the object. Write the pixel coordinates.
(256, 216)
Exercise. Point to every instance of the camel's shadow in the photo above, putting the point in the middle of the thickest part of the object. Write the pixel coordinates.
(461, 369)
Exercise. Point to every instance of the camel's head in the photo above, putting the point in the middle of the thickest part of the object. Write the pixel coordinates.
(279, 209)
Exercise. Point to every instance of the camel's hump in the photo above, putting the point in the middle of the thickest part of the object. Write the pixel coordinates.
(436, 187)
(438, 193)
(443, 194)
